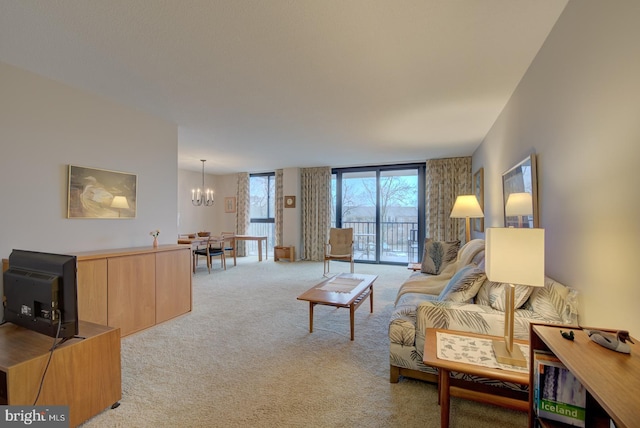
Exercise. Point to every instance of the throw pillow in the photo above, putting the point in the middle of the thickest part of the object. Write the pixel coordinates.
(438, 254)
(464, 285)
(497, 298)
(549, 301)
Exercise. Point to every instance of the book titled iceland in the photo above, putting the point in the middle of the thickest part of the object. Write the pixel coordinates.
(558, 394)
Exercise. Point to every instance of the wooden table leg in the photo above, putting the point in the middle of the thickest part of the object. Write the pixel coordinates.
(352, 313)
(259, 250)
(371, 297)
(311, 305)
(443, 396)
(235, 250)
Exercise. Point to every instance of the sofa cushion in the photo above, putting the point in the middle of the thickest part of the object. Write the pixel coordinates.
(552, 301)
(471, 252)
(438, 254)
(464, 285)
(497, 298)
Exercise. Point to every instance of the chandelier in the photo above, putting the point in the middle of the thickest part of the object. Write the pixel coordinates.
(201, 196)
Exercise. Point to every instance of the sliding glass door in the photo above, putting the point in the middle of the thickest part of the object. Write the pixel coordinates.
(359, 212)
(385, 207)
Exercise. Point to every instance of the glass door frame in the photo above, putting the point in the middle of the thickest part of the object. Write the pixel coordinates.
(378, 169)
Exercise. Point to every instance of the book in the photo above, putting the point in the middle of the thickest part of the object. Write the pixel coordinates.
(538, 356)
(558, 395)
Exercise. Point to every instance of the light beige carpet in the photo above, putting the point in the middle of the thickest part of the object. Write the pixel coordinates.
(244, 357)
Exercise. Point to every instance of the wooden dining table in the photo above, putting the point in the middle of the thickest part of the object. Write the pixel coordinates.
(202, 240)
(260, 239)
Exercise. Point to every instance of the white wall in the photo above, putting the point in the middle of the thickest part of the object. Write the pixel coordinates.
(226, 186)
(44, 127)
(577, 107)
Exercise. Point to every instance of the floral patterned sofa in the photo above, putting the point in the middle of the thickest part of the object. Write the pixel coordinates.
(461, 298)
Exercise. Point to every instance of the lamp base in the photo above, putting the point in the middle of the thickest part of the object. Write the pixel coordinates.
(503, 356)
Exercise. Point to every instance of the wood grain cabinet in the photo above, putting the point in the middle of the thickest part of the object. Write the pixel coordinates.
(173, 284)
(92, 287)
(134, 288)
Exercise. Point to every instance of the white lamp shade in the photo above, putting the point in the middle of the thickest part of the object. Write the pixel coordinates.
(119, 202)
(466, 206)
(515, 256)
(519, 204)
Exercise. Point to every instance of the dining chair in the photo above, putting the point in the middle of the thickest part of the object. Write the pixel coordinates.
(214, 248)
(196, 243)
(230, 244)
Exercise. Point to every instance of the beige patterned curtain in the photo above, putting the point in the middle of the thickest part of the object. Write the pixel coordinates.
(446, 179)
(243, 218)
(279, 206)
(316, 211)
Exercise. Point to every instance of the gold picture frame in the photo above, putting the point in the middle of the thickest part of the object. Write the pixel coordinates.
(101, 193)
(230, 204)
(520, 185)
(478, 190)
(289, 201)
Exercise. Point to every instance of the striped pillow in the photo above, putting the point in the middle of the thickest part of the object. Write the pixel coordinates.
(550, 300)
(464, 285)
(497, 298)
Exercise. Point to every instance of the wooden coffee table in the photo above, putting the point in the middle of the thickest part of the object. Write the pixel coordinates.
(345, 290)
(446, 390)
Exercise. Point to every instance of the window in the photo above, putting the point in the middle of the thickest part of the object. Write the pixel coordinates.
(262, 210)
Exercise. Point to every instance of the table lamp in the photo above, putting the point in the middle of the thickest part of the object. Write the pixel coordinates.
(466, 206)
(513, 256)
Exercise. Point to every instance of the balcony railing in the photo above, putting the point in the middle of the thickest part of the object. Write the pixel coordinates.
(261, 229)
(398, 240)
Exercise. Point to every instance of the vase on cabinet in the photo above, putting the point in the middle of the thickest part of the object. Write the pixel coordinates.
(155, 242)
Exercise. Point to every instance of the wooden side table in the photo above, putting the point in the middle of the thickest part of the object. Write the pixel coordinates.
(285, 253)
(84, 374)
(445, 367)
(610, 378)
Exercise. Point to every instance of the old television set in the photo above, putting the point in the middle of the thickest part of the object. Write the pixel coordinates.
(40, 293)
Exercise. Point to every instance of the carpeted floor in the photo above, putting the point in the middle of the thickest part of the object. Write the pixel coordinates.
(244, 357)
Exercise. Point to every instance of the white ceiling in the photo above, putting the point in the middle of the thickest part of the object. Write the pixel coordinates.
(258, 85)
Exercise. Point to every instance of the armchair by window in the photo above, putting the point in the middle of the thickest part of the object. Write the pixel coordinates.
(339, 247)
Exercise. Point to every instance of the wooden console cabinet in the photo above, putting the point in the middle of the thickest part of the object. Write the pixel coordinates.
(612, 379)
(84, 374)
(134, 288)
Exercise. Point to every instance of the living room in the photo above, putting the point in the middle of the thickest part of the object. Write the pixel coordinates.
(575, 108)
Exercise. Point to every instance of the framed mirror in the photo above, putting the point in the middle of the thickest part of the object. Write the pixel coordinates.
(520, 194)
(478, 190)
